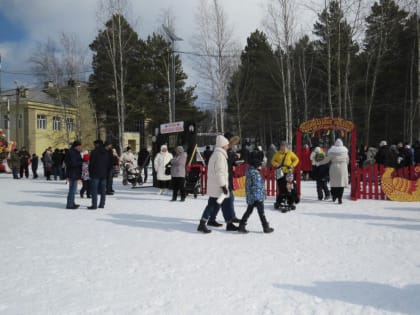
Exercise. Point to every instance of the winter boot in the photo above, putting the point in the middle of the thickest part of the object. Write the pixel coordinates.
(214, 223)
(236, 220)
(265, 225)
(242, 228)
(267, 228)
(202, 227)
(231, 227)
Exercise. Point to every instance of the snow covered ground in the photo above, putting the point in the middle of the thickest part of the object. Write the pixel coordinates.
(142, 255)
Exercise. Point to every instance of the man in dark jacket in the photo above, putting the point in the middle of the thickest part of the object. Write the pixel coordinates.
(74, 163)
(143, 161)
(100, 165)
(383, 152)
(24, 162)
(110, 177)
(57, 161)
(34, 165)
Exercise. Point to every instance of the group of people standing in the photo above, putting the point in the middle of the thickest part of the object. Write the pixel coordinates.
(96, 170)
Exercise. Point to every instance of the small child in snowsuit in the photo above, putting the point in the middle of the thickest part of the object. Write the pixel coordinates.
(290, 193)
(85, 177)
(255, 195)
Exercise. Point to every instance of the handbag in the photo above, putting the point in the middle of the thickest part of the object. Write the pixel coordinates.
(279, 170)
(168, 169)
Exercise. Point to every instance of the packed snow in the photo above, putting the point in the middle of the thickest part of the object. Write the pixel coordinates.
(143, 255)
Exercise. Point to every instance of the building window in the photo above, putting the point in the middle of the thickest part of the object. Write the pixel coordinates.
(70, 124)
(41, 121)
(56, 123)
(6, 121)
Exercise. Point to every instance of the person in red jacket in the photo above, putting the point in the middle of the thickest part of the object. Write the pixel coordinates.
(305, 161)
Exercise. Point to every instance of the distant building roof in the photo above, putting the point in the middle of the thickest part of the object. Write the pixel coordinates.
(36, 95)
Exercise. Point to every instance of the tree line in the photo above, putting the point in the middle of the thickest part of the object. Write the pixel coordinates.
(372, 81)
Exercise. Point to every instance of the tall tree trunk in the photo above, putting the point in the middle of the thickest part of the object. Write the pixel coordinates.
(329, 61)
(418, 69)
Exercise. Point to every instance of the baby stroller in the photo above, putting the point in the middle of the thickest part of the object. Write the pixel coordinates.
(131, 174)
(193, 180)
(288, 195)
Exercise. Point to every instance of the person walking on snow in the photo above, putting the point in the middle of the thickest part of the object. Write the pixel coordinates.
(178, 164)
(160, 162)
(74, 172)
(338, 156)
(255, 195)
(217, 181)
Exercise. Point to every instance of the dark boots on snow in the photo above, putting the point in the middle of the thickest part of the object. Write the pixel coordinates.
(267, 228)
(242, 228)
(214, 223)
(231, 227)
(202, 227)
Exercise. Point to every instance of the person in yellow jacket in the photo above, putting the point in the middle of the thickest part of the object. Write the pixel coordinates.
(288, 161)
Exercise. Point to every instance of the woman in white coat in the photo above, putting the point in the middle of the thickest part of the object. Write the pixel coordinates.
(159, 163)
(217, 180)
(338, 155)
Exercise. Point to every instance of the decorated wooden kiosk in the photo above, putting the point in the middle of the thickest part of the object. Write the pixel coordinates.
(327, 129)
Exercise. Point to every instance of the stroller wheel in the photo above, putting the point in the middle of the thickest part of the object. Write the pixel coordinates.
(124, 182)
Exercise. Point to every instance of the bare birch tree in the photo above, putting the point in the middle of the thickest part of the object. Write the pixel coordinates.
(113, 11)
(218, 54)
(63, 66)
(280, 24)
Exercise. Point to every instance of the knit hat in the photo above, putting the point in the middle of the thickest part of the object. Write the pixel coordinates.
(255, 163)
(163, 146)
(382, 143)
(233, 140)
(180, 149)
(317, 150)
(319, 156)
(221, 141)
(339, 143)
(76, 144)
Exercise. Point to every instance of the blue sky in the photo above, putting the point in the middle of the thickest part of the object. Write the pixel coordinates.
(26, 23)
(10, 31)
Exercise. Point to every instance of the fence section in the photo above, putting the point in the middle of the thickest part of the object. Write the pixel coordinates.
(366, 181)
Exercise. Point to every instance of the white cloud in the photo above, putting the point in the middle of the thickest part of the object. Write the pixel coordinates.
(49, 18)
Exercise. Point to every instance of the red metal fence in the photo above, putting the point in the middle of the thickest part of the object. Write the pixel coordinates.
(366, 181)
(268, 174)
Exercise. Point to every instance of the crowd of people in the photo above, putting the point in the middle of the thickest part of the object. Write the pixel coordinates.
(97, 168)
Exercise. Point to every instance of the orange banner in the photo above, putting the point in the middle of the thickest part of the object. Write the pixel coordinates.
(326, 123)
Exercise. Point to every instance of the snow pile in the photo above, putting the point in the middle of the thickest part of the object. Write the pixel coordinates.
(142, 255)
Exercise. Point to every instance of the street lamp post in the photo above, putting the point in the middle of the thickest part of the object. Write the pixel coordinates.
(173, 38)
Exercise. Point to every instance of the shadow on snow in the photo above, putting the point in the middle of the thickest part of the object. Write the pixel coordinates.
(379, 296)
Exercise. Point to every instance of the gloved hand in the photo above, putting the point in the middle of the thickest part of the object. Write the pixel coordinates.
(225, 191)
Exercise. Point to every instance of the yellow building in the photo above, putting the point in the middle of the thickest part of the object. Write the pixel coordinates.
(36, 120)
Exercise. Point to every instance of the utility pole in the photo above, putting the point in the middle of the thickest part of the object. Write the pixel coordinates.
(173, 38)
(16, 113)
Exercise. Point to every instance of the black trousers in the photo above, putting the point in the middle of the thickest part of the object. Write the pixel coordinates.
(85, 188)
(322, 188)
(337, 192)
(24, 168)
(178, 183)
(110, 181)
(281, 187)
(260, 207)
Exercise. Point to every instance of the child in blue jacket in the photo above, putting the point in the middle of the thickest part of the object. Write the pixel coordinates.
(255, 195)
